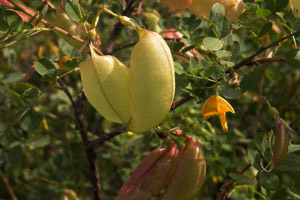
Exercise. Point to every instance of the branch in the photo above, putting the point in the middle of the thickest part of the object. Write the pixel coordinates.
(248, 60)
(178, 103)
(9, 189)
(258, 61)
(108, 49)
(89, 150)
(101, 139)
(226, 187)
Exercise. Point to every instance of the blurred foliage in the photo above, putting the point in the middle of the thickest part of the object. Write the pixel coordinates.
(41, 152)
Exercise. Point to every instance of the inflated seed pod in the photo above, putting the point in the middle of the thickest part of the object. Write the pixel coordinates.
(64, 22)
(233, 8)
(281, 143)
(152, 18)
(178, 4)
(105, 82)
(295, 6)
(151, 176)
(151, 82)
(189, 174)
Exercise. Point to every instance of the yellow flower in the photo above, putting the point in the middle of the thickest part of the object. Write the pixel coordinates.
(216, 105)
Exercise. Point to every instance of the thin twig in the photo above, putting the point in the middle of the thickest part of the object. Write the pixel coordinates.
(258, 61)
(89, 150)
(8, 187)
(248, 60)
(226, 187)
(178, 103)
(108, 49)
(101, 139)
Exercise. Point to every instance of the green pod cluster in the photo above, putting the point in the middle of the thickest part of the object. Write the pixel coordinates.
(151, 82)
(189, 173)
(64, 22)
(281, 143)
(140, 96)
(105, 81)
(151, 176)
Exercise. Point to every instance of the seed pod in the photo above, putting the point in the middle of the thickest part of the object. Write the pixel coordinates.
(233, 8)
(281, 144)
(152, 81)
(178, 4)
(105, 83)
(295, 6)
(64, 22)
(152, 18)
(151, 176)
(189, 174)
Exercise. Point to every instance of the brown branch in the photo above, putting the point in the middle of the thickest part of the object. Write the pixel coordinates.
(178, 103)
(127, 11)
(89, 150)
(122, 47)
(258, 61)
(101, 139)
(226, 187)
(248, 60)
(8, 187)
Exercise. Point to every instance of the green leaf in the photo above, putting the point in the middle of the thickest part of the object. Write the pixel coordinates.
(265, 29)
(292, 58)
(241, 178)
(31, 93)
(13, 20)
(72, 11)
(253, 157)
(12, 77)
(269, 180)
(232, 93)
(212, 44)
(3, 26)
(263, 12)
(71, 64)
(294, 148)
(251, 80)
(217, 16)
(281, 4)
(46, 69)
(42, 14)
(178, 68)
(291, 163)
(20, 87)
(223, 54)
(38, 141)
(31, 121)
(269, 4)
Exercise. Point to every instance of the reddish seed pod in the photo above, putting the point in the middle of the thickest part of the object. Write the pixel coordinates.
(281, 143)
(189, 173)
(151, 176)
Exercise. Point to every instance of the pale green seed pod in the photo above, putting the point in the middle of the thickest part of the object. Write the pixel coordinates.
(64, 22)
(151, 176)
(152, 81)
(152, 18)
(189, 174)
(105, 81)
(295, 6)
